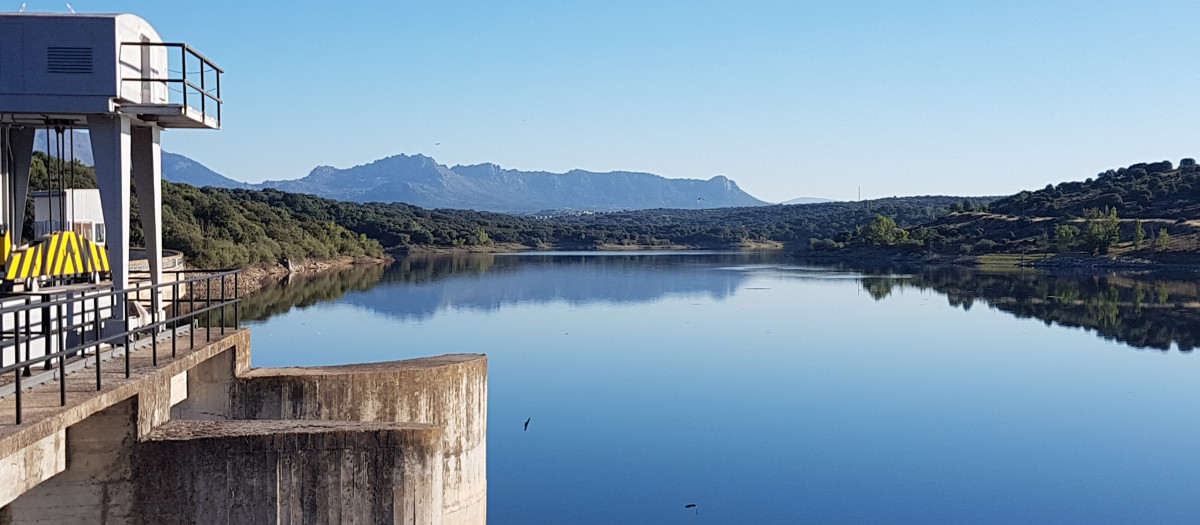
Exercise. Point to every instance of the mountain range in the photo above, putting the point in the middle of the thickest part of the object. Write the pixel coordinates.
(421, 181)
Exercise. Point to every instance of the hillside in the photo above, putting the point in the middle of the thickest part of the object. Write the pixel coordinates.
(1145, 190)
(1146, 211)
(215, 230)
(402, 225)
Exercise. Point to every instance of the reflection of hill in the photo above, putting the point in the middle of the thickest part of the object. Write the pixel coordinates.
(418, 287)
(583, 279)
(1140, 313)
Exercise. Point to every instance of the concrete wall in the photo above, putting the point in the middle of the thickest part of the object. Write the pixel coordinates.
(205, 439)
(449, 392)
(242, 472)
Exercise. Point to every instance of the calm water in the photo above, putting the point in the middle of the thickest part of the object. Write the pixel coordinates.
(766, 391)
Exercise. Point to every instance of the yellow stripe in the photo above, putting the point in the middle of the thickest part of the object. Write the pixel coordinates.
(88, 254)
(70, 254)
(7, 248)
(49, 249)
(32, 254)
(104, 259)
(36, 261)
(11, 264)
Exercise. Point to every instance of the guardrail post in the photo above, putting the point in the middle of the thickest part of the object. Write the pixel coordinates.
(237, 304)
(223, 304)
(207, 311)
(96, 333)
(28, 330)
(18, 407)
(62, 357)
(153, 336)
(124, 295)
(17, 359)
(46, 324)
(174, 314)
(192, 314)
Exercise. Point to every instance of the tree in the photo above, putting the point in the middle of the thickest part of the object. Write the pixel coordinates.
(883, 230)
(1139, 234)
(1064, 236)
(1103, 229)
(1163, 240)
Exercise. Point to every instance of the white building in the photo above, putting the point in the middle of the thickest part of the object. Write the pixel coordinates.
(80, 209)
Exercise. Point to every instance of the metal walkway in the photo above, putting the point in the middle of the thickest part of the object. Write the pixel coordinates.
(63, 332)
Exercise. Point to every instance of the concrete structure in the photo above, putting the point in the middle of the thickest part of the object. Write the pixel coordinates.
(204, 438)
(114, 75)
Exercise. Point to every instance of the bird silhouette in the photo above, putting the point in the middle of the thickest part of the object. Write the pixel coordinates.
(692, 506)
(527, 423)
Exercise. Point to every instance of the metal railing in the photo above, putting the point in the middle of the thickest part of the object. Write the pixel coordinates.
(182, 81)
(74, 327)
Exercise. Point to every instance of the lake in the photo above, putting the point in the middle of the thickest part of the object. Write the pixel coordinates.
(765, 390)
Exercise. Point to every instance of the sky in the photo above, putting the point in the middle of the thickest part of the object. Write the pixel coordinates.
(787, 98)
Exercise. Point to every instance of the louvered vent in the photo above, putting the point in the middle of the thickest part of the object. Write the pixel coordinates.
(73, 60)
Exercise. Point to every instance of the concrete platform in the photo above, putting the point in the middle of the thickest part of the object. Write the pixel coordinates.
(402, 442)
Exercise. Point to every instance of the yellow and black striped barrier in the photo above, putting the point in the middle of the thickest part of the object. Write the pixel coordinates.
(60, 254)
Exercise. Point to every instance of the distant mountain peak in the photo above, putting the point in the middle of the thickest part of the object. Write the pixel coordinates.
(419, 180)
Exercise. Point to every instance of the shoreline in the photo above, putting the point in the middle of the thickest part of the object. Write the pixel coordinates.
(401, 251)
(1074, 263)
(255, 277)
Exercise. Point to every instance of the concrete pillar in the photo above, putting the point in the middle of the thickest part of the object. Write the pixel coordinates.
(147, 181)
(111, 144)
(97, 485)
(16, 146)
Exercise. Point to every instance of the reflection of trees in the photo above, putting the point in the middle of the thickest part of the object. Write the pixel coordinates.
(624, 276)
(1144, 313)
(304, 290)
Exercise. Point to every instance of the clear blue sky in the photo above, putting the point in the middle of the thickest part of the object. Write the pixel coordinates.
(788, 98)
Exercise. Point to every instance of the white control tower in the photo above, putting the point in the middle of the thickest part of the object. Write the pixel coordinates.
(114, 76)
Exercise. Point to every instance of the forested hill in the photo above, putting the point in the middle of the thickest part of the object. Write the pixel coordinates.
(781, 223)
(1146, 190)
(399, 224)
(1146, 211)
(220, 227)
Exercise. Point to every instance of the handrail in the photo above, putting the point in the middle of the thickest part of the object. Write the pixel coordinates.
(57, 320)
(206, 92)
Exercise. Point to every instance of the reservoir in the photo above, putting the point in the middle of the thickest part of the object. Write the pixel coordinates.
(763, 389)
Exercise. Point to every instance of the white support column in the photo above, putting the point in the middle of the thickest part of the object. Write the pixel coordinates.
(111, 149)
(147, 182)
(16, 180)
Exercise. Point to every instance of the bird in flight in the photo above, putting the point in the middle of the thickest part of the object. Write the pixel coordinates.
(692, 506)
(527, 423)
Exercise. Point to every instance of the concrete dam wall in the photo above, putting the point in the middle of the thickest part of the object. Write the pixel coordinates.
(206, 439)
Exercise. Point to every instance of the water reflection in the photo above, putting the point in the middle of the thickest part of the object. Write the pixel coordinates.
(1143, 312)
(487, 282)
(767, 391)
